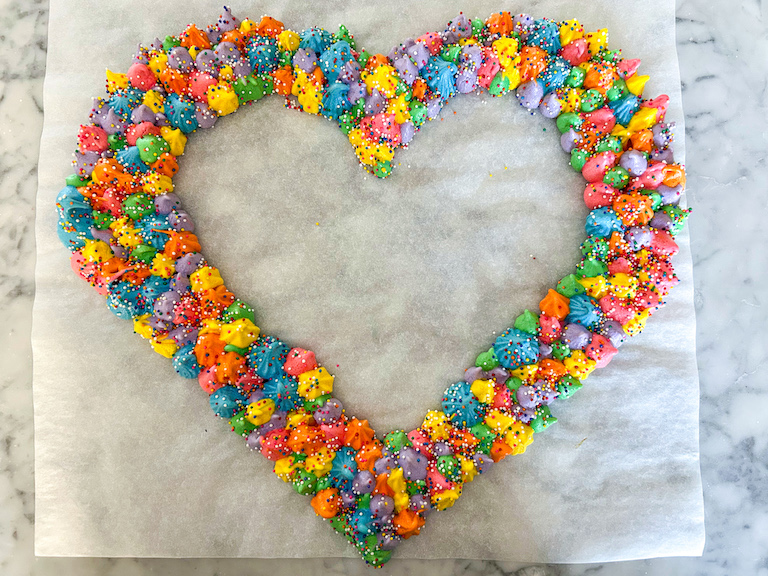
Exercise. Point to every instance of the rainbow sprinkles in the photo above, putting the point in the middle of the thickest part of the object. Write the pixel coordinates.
(132, 241)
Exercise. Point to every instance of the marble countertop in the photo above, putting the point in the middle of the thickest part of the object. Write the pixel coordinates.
(724, 73)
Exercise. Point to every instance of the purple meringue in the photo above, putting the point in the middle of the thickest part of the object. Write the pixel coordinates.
(382, 506)
(180, 59)
(576, 336)
(483, 462)
(363, 483)
(384, 464)
(530, 94)
(206, 62)
(164, 203)
(413, 463)
(638, 237)
(527, 396)
(189, 263)
(550, 106)
(142, 113)
(569, 140)
(180, 220)
(634, 162)
(329, 412)
(206, 118)
(306, 60)
(614, 331)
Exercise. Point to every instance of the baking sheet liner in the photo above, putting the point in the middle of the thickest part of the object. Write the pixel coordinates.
(397, 284)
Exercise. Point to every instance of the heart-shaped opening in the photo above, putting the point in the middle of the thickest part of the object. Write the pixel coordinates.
(396, 284)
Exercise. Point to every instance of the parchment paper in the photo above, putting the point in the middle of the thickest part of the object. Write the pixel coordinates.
(396, 284)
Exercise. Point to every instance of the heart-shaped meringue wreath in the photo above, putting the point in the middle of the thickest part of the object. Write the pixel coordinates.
(132, 241)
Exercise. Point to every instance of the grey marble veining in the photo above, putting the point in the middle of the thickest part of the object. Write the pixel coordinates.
(724, 71)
